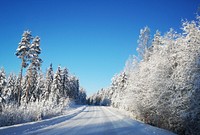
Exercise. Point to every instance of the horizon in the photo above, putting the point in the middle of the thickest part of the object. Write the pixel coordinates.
(93, 39)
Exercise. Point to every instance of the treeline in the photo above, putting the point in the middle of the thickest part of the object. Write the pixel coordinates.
(161, 86)
(35, 96)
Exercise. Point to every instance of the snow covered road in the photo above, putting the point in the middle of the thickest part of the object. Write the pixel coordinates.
(86, 120)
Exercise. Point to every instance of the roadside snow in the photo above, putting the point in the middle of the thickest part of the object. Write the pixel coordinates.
(32, 126)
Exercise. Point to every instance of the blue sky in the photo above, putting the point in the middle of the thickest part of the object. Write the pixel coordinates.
(92, 38)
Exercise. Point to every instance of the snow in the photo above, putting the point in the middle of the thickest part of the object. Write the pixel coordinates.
(86, 120)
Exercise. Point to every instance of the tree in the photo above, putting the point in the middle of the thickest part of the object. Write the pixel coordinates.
(157, 42)
(40, 88)
(3, 83)
(131, 65)
(56, 87)
(10, 93)
(74, 87)
(143, 43)
(33, 53)
(66, 83)
(33, 57)
(22, 53)
(82, 96)
(48, 82)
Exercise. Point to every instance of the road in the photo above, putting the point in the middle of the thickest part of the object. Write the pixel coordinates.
(88, 120)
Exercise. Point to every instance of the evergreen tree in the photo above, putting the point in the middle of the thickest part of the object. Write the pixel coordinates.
(56, 87)
(22, 53)
(3, 83)
(65, 81)
(32, 73)
(34, 52)
(10, 93)
(48, 82)
(74, 87)
(40, 88)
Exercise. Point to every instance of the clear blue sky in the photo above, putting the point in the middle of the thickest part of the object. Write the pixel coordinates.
(92, 38)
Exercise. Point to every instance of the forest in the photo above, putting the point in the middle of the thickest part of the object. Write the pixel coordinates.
(36, 96)
(160, 86)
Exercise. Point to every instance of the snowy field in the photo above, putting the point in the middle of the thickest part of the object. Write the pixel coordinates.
(85, 120)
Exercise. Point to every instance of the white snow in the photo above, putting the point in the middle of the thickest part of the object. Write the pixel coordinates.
(86, 120)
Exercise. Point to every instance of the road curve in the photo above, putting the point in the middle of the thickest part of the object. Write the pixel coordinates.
(93, 120)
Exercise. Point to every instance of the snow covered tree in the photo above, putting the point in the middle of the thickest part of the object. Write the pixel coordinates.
(66, 83)
(22, 53)
(74, 87)
(144, 43)
(48, 82)
(157, 41)
(10, 92)
(33, 57)
(130, 65)
(56, 87)
(31, 82)
(33, 53)
(119, 83)
(82, 96)
(3, 83)
(40, 88)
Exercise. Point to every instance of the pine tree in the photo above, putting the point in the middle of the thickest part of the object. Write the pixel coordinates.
(65, 81)
(10, 94)
(33, 57)
(40, 88)
(34, 52)
(3, 83)
(56, 87)
(74, 87)
(48, 82)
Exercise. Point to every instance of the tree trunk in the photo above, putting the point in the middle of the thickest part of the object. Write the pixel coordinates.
(20, 85)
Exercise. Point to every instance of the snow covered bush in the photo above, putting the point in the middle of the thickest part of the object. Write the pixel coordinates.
(33, 111)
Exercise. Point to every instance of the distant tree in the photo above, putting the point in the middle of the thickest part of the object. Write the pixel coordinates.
(82, 96)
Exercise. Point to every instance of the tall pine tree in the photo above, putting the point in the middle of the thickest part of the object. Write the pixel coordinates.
(22, 53)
